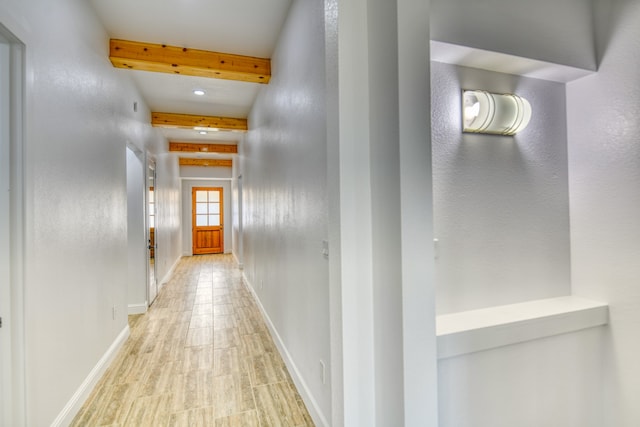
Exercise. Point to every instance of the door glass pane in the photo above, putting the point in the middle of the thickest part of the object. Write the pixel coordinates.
(201, 208)
(214, 196)
(214, 208)
(201, 220)
(201, 196)
(214, 220)
(152, 222)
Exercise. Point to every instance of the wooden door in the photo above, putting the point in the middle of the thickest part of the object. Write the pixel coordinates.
(207, 209)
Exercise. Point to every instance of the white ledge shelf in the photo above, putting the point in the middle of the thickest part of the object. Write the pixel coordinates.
(487, 328)
(504, 63)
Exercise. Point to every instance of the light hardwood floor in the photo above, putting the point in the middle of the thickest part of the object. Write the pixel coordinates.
(201, 356)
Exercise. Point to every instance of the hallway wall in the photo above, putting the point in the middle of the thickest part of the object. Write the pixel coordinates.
(501, 209)
(604, 180)
(137, 255)
(79, 119)
(501, 204)
(549, 30)
(284, 168)
(168, 216)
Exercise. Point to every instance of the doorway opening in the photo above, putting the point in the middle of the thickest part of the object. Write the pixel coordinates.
(152, 231)
(136, 234)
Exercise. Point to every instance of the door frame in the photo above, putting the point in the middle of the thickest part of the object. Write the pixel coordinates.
(150, 164)
(12, 358)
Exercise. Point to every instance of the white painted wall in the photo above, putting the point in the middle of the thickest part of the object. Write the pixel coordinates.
(558, 31)
(554, 382)
(284, 169)
(237, 185)
(79, 118)
(416, 213)
(5, 231)
(205, 172)
(187, 219)
(298, 180)
(502, 218)
(501, 204)
(168, 230)
(604, 173)
(136, 236)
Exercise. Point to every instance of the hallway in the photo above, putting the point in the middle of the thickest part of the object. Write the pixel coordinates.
(201, 356)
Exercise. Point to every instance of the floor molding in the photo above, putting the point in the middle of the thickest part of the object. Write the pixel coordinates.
(137, 308)
(169, 274)
(240, 266)
(80, 396)
(312, 406)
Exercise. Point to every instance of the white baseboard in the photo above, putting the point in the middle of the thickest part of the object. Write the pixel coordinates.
(237, 260)
(137, 308)
(169, 274)
(80, 396)
(312, 406)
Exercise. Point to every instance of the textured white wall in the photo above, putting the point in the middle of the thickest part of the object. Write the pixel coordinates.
(553, 382)
(501, 204)
(501, 207)
(79, 119)
(136, 236)
(236, 215)
(205, 172)
(168, 231)
(187, 186)
(285, 199)
(5, 231)
(604, 172)
(558, 31)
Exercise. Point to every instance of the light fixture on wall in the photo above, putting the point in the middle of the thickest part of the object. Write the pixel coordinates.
(493, 113)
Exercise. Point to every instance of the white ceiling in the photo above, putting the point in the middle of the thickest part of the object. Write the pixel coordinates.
(242, 27)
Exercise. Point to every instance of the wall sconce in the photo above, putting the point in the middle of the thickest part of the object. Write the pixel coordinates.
(498, 114)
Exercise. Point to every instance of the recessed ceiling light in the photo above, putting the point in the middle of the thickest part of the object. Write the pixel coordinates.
(202, 132)
(199, 92)
(207, 129)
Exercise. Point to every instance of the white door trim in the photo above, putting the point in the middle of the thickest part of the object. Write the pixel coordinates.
(12, 370)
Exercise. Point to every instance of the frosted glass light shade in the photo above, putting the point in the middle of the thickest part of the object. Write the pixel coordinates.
(498, 114)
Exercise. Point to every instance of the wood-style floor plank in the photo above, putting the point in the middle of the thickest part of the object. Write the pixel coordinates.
(201, 356)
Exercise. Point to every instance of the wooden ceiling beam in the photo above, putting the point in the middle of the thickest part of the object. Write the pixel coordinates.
(161, 58)
(193, 147)
(227, 163)
(189, 121)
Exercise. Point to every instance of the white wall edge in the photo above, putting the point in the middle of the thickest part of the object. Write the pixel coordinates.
(312, 406)
(137, 308)
(78, 399)
(487, 328)
(240, 266)
(169, 274)
(466, 56)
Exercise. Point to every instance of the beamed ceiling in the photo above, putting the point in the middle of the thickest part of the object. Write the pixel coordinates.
(173, 47)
